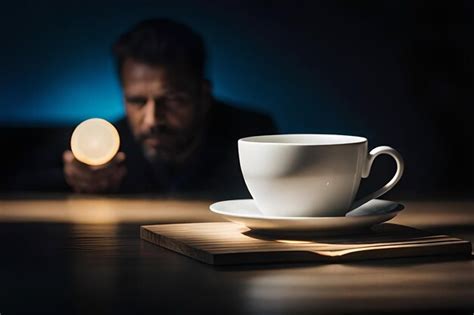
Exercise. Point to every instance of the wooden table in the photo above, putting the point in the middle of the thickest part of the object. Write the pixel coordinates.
(65, 254)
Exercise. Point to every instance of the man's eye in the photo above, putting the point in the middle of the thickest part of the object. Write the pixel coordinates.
(177, 100)
(137, 101)
(173, 100)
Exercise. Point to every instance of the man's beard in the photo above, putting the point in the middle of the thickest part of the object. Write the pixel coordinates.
(170, 146)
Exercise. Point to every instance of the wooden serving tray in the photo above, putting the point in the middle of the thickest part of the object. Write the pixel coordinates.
(227, 243)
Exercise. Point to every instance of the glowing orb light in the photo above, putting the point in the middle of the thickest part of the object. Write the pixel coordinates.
(95, 141)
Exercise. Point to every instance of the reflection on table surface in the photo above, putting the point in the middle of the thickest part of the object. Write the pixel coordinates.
(100, 210)
(76, 254)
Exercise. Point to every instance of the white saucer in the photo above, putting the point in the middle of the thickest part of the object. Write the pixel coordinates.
(244, 211)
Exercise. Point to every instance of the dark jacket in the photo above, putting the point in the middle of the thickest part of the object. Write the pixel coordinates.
(213, 171)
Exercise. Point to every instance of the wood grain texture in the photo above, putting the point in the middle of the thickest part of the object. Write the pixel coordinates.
(226, 243)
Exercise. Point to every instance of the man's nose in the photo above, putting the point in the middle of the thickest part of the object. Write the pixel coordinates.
(151, 115)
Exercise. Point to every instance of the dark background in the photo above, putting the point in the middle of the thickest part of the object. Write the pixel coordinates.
(397, 72)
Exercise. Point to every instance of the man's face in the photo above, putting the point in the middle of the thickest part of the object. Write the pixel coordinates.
(164, 109)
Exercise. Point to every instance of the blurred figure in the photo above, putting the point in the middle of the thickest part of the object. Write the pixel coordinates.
(176, 138)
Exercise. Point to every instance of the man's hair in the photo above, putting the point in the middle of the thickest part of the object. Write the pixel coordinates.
(162, 42)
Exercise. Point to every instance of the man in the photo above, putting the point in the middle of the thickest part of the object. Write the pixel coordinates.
(176, 138)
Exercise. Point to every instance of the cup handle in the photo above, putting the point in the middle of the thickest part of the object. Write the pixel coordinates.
(366, 171)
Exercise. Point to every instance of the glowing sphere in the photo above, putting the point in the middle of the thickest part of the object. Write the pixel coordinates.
(95, 141)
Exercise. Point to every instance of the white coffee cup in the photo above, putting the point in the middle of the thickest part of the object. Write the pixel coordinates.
(308, 175)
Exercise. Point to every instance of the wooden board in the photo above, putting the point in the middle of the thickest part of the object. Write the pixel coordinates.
(227, 243)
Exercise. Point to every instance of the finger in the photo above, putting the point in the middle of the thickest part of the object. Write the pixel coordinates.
(120, 157)
(68, 157)
(88, 172)
(82, 166)
(78, 175)
(112, 167)
(74, 171)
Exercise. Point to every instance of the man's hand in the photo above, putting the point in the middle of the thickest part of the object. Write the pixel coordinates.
(84, 178)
